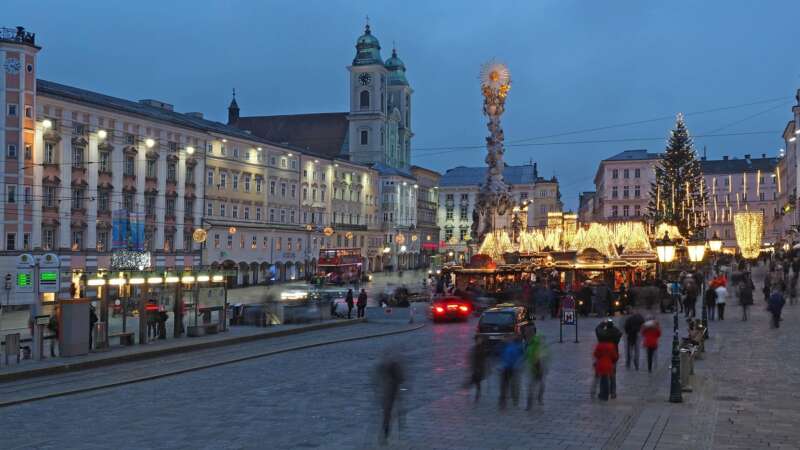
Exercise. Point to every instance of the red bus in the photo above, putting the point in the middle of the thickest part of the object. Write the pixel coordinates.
(340, 265)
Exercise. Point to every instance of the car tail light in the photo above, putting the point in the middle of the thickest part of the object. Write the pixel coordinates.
(464, 308)
(439, 309)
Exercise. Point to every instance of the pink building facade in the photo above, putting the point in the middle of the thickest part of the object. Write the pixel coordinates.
(622, 186)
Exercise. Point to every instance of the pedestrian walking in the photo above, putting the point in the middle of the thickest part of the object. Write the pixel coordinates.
(92, 321)
(722, 295)
(349, 301)
(390, 375)
(607, 331)
(745, 295)
(633, 326)
(651, 333)
(793, 290)
(478, 364)
(710, 300)
(510, 359)
(690, 289)
(775, 306)
(535, 353)
(605, 356)
(362, 303)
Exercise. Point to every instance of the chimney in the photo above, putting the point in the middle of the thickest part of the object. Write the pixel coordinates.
(763, 155)
(725, 158)
(196, 115)
(747, 158)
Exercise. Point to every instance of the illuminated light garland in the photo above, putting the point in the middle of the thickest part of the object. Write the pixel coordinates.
(671, 229)
(495, 244)
(749, 227)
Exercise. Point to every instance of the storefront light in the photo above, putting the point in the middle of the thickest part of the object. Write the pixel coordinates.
(117, 281)
(155, 280)
(203, 278)
(172, 279)
(217, 278)
(137, 280)
(96, 282)
(187, 279)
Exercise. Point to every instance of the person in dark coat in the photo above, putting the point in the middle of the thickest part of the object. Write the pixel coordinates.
(92, 321)
(775, 306)
(745, 295)
(710, 302)
(390, 376)
(478, 364)
(633, 325)
(362, 303)
(349, 300)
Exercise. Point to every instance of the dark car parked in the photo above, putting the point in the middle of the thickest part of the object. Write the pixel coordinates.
(504, 320)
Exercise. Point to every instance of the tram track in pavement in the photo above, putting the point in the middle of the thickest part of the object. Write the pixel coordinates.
(42, 388)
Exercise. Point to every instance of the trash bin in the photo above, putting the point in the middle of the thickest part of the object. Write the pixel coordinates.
(100, 341)
(12, 346)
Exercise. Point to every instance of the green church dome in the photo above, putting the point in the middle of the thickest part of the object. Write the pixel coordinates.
(368, 49)
(397, 69)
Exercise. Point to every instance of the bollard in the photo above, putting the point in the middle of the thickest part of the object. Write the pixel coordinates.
(12, 346)
(686, 368)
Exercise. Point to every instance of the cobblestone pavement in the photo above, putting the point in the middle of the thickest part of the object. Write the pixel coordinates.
(745, 392)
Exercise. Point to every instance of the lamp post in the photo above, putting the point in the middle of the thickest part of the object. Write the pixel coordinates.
(665, 249)
(696, 248)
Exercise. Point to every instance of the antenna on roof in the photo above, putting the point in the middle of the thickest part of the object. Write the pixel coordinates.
(704, 152)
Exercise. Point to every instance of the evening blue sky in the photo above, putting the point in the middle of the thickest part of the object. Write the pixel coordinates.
(575, 65)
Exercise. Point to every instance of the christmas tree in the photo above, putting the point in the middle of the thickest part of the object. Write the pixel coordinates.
(678, 196)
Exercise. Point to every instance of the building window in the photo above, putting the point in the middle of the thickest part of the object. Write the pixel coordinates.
(150, 205)
(625, 211)
(235, 182)
(292, 216)
(222, 209)
(11, 241)
(278, 244)
(172, 172)
(77, 240)
(188, 207)
(190, 175)
(449, 214)
(761, 196)
(614, 211)
(614, 192)
(11, 193)
(12, 109)
(235, 212)
(236, 152)
(26, 241)
(637, 210)
(230, 241)
(170, 207)
(28, 195)
(259, 182)
(364, 137)
(363, 100)
(637, 191)
(102, 201)
(626, 173)
(293, 163)
(49, 153)
(77, 157)
(272, 187)
(448, 234)
(28, 111)
(283, 189)
(151, 168)
(216, 240)
(305, 194)
(246, 213)
(258, 214)
(625, 192)
(615, 173)
(127, 199)
(294, 190)
(12, 151)
(209, 209)
(210, 177)
(254, 242)
(283, 163)
(246, 179)
(223, 180)
(462, 212)
(105, 162)
(283, 216)
(637, 173)
(272, 215)
(77, 198)
(130, 164)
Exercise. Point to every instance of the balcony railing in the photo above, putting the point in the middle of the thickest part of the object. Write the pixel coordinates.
(17, 34)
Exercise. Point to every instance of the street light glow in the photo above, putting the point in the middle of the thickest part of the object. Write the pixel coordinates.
(47, 124)
(102, 134)
(149, 142)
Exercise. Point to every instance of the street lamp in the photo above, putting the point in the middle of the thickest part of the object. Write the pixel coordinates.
(715, 243)
(665, 249)
(696, 248)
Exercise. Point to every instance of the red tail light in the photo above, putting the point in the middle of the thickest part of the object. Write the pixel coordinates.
(464, 308)
(439, 309)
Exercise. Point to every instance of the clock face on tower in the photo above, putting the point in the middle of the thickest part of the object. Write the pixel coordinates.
(365, 79)
(12, 66)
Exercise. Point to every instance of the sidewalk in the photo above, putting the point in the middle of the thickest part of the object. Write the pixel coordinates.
(745, 388)
(235, 335)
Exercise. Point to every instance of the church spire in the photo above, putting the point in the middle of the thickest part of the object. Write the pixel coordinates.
(233, 110)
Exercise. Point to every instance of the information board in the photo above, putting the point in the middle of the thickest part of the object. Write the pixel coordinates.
(24, 281)
(48, 280)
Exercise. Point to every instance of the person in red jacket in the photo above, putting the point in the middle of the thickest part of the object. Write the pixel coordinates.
(651, 332)
(605, 356)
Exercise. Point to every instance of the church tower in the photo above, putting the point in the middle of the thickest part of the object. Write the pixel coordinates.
(399, 108)
(368, 113)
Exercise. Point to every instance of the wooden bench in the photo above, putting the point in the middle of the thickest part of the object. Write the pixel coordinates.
(125, 338)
